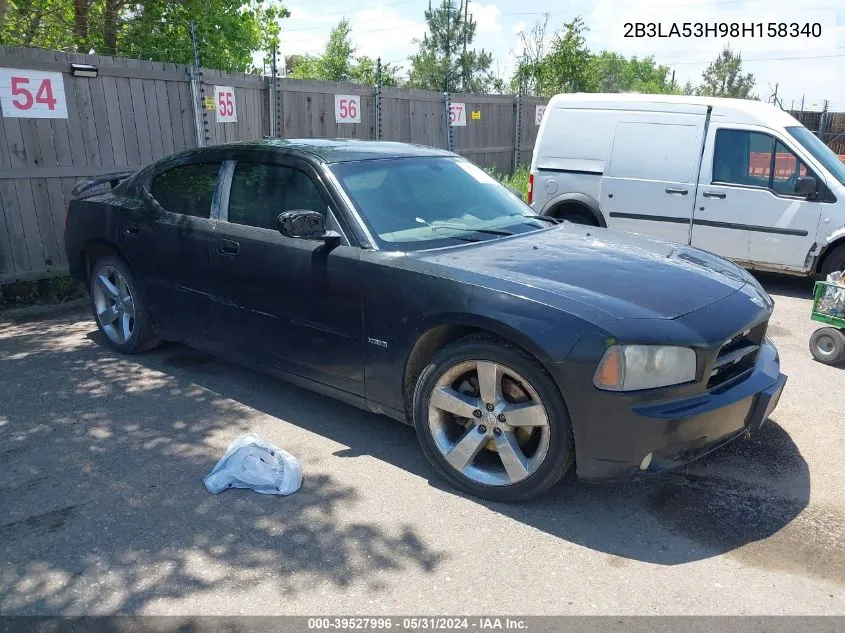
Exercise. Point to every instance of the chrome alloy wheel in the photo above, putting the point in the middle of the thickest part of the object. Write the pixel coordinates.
(488, 422)
(113, 304)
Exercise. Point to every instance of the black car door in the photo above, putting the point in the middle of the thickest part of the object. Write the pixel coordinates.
(291, 303)
(168, 240)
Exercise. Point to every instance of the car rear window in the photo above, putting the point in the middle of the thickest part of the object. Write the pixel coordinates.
(188, 189)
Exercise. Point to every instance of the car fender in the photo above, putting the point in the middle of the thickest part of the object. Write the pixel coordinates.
(585, 200)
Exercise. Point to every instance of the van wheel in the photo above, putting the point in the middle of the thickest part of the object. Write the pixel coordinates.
(835, 261)
(578, 218)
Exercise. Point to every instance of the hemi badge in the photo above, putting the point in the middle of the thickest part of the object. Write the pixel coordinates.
(375, 341)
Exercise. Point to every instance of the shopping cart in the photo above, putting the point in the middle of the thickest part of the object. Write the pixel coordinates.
(827, 344)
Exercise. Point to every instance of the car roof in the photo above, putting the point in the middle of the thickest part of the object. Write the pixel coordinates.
(738, 110)
(341, 150)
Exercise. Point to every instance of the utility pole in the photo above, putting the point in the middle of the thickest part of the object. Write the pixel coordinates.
(197, 92)
(673, 80)
(464, 58)
(448, 41)
(273, 94)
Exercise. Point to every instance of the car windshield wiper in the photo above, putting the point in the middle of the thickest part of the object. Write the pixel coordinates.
(455, 227)
(534, 216)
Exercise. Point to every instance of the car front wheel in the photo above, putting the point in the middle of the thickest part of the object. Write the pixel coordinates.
(491, 420)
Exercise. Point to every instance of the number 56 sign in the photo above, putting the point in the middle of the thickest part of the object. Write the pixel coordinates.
(347, 109)
(224, 100)
(32, 94)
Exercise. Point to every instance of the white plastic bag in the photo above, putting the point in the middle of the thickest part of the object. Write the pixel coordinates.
(252, 463)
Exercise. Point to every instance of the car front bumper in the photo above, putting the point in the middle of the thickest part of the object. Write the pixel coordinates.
(624, 436)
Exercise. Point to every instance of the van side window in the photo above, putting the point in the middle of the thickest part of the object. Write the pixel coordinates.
(743, 158)
(755, 159)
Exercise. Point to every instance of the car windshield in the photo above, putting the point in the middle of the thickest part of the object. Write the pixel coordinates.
(428, 202)
(819, 151)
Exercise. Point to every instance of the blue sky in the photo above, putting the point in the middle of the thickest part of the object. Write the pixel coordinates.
(812, 67)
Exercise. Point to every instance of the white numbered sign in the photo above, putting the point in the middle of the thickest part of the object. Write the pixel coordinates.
(458, 114)
(32, 94)
(224, 100)
(539, 111)
(347, 108)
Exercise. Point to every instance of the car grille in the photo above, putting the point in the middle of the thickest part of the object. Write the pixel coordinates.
(737, 357)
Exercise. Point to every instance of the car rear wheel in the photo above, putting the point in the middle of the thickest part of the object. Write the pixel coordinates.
(491, 420)
(827, 345)
(119, 307)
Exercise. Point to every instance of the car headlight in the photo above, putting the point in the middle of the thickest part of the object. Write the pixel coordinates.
(631, 367)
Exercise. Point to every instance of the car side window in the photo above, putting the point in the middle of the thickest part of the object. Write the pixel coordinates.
(188, 189)
(261, 191)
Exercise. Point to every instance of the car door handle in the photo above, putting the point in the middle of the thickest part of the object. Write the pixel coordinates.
(228, 247)
(681, 192)
(714, 194)
(131, 229)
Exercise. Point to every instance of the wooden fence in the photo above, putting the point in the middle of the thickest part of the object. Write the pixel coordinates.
(135, 112)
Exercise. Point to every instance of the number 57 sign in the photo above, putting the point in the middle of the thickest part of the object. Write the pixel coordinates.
(32, 94)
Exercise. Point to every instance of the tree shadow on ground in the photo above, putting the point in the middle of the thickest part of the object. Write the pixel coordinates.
(103, 507)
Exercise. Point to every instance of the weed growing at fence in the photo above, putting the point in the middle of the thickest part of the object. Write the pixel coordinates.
(517, 180)
(55, 290)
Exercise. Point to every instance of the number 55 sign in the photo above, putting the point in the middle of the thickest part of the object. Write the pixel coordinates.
(32, 94)
(347, 109)
(224, 99)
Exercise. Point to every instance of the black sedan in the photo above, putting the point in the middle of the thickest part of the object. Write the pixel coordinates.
(406, 281)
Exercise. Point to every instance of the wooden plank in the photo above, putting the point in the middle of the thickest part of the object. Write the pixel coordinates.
(151, 100)
(115, 121)
(8, 263)
(187, 113)
(164, 121)
(174, 115)
(140, 112)
(30, 195)
(12, 153)
(92, 112)
(46, 192)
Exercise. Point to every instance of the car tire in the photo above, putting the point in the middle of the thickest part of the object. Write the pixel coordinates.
(119, 308)
(835, 261)
(548, 449)
(579, 218)
(827, 345)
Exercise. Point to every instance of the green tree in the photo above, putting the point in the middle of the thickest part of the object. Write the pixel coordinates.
(338, 62)
(444, 60)
(617, 73)
(566, 67)
(724, 78)
(230, 31)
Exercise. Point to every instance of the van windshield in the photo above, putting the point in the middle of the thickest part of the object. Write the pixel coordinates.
(819, 151)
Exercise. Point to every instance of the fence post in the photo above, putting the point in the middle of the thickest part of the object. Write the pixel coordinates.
(197, 93)
(273, 95)
(517, 141)
(448, 119)
(377, 99)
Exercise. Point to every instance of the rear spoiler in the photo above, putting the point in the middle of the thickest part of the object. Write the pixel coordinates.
(113, 179)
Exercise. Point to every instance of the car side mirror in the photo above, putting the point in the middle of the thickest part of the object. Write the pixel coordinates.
(306, 224)
(806, 186)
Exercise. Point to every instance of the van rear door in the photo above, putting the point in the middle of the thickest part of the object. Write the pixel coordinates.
(649, 184)
(747, 208)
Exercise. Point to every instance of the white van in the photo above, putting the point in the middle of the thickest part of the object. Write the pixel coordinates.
(742, 179)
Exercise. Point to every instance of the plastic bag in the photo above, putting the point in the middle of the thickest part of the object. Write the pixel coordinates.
(250, 462)
(832, 302)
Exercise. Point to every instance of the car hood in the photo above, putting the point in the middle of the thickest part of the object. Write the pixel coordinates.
(621, 274)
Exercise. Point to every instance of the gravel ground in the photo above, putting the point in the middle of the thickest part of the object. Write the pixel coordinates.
(103, 510)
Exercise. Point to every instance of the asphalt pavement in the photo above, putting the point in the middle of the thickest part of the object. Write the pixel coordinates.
(103, 509)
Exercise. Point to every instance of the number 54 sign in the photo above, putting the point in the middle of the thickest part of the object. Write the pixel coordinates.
(32, 94)
(224, 99)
